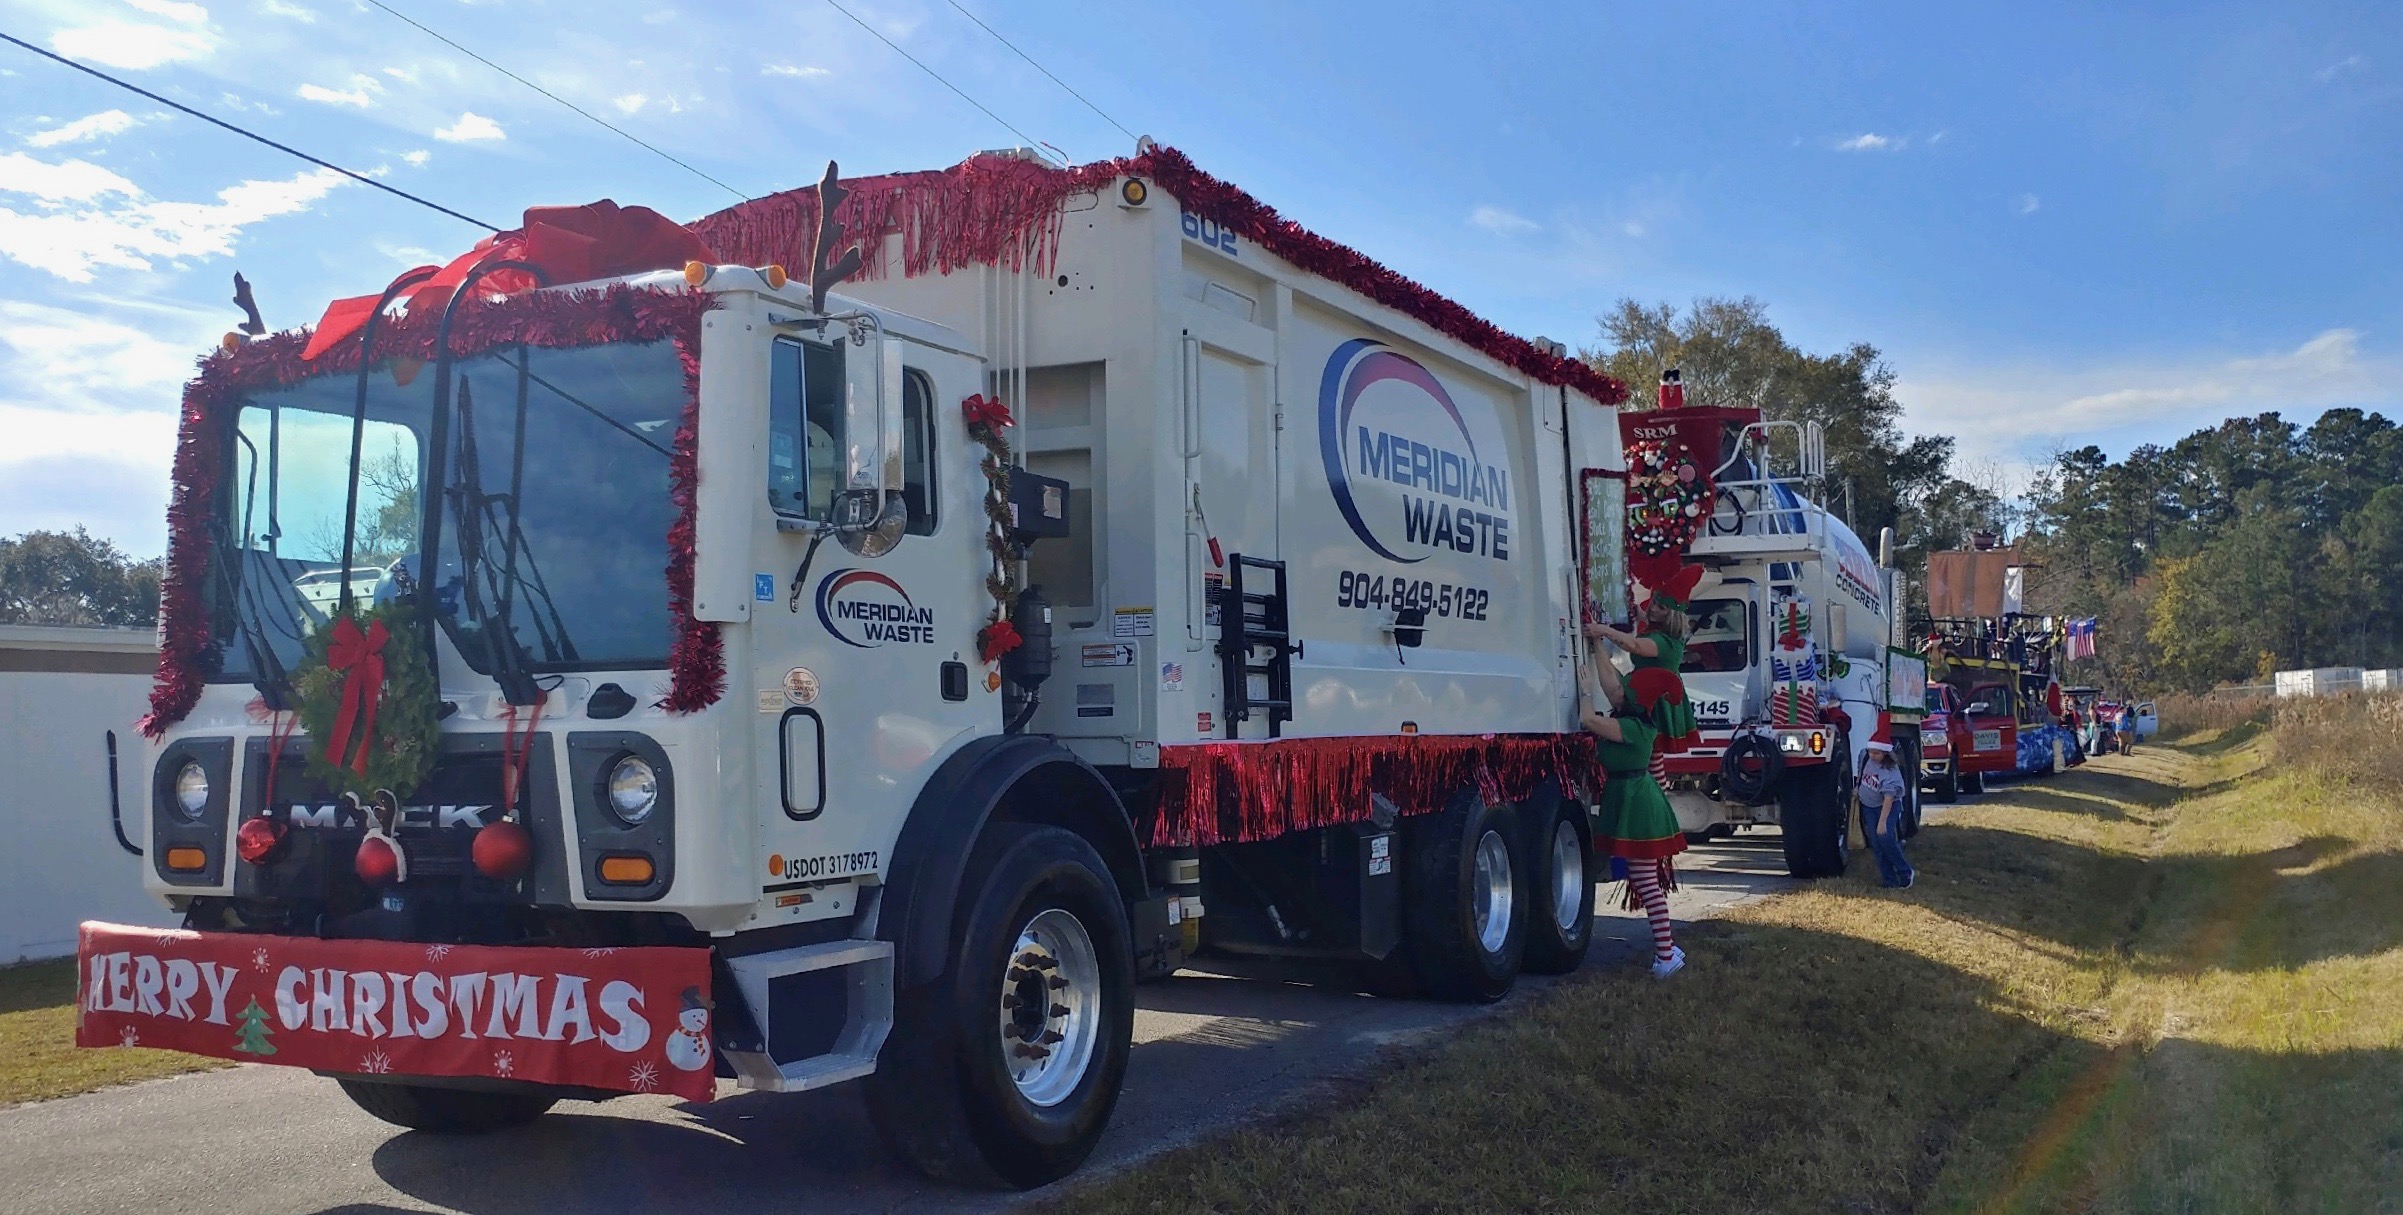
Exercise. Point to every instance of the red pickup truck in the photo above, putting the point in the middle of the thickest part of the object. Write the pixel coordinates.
(1960, 743)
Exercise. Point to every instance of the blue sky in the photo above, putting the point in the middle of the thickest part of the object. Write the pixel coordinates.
(2062, 223)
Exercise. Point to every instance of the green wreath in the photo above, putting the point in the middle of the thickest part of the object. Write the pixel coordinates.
(406, 733)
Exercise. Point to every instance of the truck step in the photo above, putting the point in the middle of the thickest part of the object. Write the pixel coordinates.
(822, 1010)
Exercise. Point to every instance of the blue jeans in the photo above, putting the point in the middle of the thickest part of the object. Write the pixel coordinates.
(1892, 867)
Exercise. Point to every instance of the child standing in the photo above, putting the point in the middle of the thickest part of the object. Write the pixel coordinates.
(1881, 794)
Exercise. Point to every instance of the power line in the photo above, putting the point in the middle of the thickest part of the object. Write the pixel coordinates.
(1040, 68)
(1030, 140)
(604, 123)
(251, 135)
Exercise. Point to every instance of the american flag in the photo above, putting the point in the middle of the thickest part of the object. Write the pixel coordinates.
(2081, 638)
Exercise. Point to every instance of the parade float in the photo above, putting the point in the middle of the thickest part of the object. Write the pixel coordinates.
(860, 634)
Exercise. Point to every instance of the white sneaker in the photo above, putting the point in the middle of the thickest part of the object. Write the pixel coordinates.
(1664, 967)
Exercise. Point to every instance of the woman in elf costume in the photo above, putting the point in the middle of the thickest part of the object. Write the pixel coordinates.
(1636, 824)
(1658, 652)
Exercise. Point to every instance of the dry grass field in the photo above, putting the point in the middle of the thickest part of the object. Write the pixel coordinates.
(2171, 982)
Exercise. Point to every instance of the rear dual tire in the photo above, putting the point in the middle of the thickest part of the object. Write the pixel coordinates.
(1811, 801)
(1560, 925)
(1463, 901)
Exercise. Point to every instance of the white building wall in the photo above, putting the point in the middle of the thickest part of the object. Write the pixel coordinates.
(62, 864)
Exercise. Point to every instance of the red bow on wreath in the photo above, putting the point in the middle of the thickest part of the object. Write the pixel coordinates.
(987, 411)
(997, 639)
(360, 653)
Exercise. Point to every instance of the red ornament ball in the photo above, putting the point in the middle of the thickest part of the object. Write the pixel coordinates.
(502, 850)
(378, 862)
(257, 840)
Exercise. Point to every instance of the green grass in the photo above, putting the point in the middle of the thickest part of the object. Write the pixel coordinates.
(38, 1056)
(2172, 982)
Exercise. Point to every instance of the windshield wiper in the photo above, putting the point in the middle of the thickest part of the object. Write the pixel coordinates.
(471, 511)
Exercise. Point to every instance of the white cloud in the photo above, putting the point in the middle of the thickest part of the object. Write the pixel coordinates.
(89, 218)
(127, 44)
(172, 10)
(294, 12)
(470, 128)
(418, 158)
(1496, 220)
(1871, 141)
(2027, 204)
(97, 126)
(70, 181)
(88, 399)
(795, 70)
(319, 93)
(2016, 412)
(631, 103)
(1938, 137)
(2350, 63)
(404, 75)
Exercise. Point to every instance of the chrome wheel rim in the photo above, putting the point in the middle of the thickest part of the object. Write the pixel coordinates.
(1568, 876)
(1050, 1007)
(1493, 893)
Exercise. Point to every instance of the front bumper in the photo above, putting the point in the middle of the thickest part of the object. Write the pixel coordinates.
(627, 1020)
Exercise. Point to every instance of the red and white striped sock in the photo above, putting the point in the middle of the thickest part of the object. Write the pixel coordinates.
(1645, 877)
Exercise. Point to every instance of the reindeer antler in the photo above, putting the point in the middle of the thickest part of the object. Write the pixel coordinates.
(830, 234)
(253, 324)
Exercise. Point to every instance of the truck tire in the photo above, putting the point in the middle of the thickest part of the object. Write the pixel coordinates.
(1948, 787)
(447, 1111)
(1463, 902)
(1008, 1065)
(1560, 929)
(1811, 801)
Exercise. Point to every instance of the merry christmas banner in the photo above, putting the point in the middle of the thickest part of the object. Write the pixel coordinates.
(634, 1020)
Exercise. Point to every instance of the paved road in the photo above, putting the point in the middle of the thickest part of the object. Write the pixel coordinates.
(1211, 1048)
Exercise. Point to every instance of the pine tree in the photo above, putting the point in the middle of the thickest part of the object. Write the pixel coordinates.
(254, 1032)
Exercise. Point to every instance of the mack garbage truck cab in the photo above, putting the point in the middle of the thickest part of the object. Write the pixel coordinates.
(1788, 663)
(723, 678)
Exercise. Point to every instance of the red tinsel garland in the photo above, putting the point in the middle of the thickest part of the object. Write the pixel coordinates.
(1232, 792)
(994, 210)
(697, 669)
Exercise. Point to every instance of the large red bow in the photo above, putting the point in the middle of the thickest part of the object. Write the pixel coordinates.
(361, 654)
(987, 411)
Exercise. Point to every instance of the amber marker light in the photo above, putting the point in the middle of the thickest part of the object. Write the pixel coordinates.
(187, 860)
(776, 277)
(1133, 192)
(626, 870)
(696, 273)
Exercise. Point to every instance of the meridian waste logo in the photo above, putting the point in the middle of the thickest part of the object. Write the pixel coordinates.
(866, 609)
(1401, 463)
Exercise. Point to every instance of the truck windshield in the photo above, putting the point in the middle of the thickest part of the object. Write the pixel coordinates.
(1721, 640)
(555, 508)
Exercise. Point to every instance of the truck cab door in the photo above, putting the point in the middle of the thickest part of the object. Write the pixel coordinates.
(865, 664)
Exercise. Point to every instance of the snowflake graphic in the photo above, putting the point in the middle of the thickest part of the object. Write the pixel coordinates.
(169, 939)
(504, 1064)
(376, 1063)
(129, 1037)
(258, 960)
(644, 1078)
(602, 951)
(435, 953)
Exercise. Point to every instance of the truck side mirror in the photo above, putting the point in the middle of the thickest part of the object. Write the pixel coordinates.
(869, 512)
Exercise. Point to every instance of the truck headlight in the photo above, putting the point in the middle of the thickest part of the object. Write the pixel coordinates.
(633, 790)
(191, 791)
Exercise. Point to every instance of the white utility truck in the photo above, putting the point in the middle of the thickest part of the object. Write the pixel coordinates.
(1289, 547)
(1791, 665)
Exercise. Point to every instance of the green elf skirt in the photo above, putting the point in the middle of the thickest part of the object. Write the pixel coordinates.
(1635, 820)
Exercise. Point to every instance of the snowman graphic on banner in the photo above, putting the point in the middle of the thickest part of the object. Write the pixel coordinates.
(688, 1047)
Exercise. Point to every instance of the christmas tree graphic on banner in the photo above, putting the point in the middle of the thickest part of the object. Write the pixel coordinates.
(254, 1032)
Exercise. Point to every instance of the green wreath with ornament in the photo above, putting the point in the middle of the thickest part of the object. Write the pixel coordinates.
(368, 701)
(1668, 498)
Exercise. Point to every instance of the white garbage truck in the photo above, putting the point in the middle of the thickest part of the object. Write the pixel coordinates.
(790, 667)
(1792, 665)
